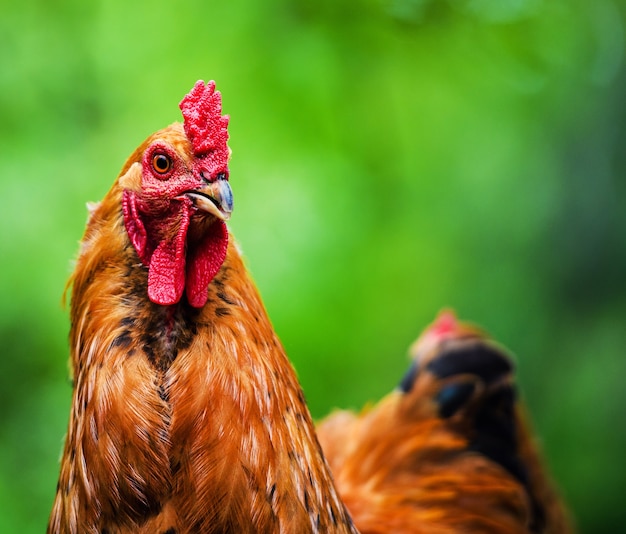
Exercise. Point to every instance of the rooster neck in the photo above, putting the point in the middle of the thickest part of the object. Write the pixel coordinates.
(161, 331)
(196, 410)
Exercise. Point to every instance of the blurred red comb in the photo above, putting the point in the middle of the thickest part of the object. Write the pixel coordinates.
(204, 124)
(445, 323)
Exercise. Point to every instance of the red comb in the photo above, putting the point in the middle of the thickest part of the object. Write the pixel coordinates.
(445, 323)
(204, 124)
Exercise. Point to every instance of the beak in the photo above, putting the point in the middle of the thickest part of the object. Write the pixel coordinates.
(215, 198)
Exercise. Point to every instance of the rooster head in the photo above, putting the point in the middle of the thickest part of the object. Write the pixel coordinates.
(176, 197)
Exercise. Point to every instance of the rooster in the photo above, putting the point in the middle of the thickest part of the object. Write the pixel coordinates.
(187, 416)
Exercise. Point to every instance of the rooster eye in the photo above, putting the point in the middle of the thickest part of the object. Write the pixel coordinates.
(161, 163)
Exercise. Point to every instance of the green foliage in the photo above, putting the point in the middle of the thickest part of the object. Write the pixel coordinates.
(390, 158)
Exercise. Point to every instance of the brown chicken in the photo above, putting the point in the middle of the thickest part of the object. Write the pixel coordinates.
(187, 416)
(449, 451)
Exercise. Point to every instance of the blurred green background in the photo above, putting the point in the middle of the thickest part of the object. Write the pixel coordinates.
(390, 158)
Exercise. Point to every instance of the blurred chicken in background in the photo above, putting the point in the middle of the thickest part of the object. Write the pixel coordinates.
(449, 451)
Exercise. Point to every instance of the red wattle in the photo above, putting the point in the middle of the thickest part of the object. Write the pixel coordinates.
(166, 272)
(134, 225)
(204, 262)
